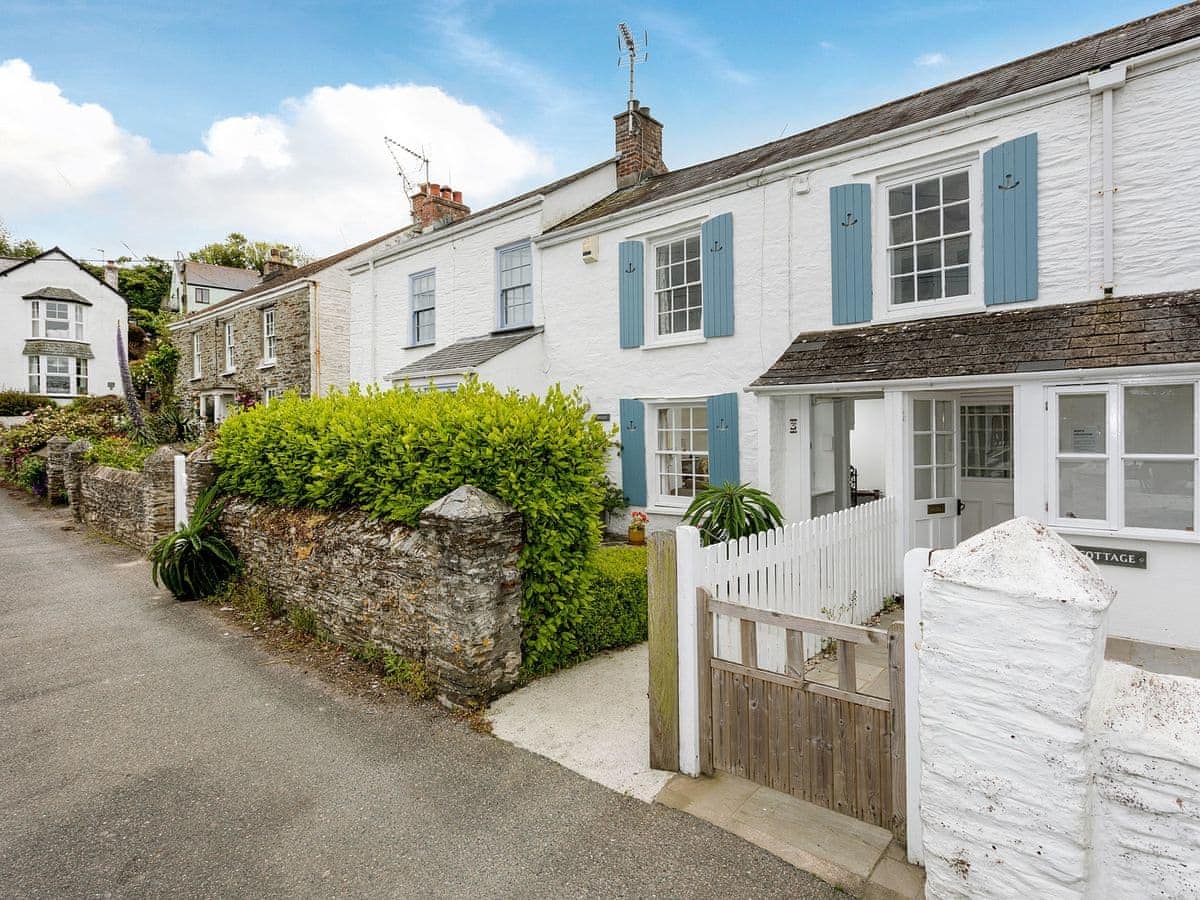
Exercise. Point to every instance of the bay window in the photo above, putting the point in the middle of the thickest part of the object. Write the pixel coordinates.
(57, 320)
(35, 374)
(58, 376)
(1126, 456)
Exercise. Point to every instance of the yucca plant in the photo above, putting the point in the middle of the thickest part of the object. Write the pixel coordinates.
(731, 511)
(195, 560)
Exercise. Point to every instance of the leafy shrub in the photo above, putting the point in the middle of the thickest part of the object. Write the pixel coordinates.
(18, 403)
(615, 613)
(120, 453)
(411, 677)
(731, 511)
(195, 560)
(31, 475)
(392, 453)
(90, 418)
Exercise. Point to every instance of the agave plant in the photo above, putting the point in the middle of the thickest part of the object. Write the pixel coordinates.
(194, 560)
(731, 511)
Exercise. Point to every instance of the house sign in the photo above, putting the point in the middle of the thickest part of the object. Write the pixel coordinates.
(1106, 556)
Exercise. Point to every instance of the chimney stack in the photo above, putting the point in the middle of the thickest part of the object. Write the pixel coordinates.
(639, 145)
(436, 204)
(277, 263)
(110, 274)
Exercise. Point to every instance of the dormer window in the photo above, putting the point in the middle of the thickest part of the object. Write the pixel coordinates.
(55, 320)
(929, 238)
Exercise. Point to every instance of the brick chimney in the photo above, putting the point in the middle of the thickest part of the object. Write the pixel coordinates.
(436, 204)
(639, 145)
(110, 274)
(277, 263)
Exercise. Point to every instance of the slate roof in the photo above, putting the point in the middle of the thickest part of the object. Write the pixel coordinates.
(57, 293)
(8, 262)
(18, 263)
(229, 278)
(1084, 55)
(300, 273)
(1127, 331)
(462, 356)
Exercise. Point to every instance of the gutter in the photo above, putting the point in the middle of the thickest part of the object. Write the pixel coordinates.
(1104, 83)
(1068, 87)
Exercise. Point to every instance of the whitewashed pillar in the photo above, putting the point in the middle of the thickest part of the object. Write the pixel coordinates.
(687, 554)
(181, 512)
(1013, 626)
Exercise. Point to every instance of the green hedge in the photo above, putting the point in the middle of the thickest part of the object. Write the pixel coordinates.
(18, 403)
(615, 612)
(392, 453)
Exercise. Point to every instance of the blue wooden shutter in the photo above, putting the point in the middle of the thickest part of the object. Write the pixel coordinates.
(632, 283)
(633, 451)
(716, 251)
(723, 440)
(850, 252)
(1010, 253)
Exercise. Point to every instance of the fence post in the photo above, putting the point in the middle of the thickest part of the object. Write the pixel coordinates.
(915, 562)
(181, 513)
(663, 649)
(56, 458)
(687, 552)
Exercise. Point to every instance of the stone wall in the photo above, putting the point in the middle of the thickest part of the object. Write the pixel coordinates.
(1047, 771)
(292, 368)
(446, 594)
(135, 507)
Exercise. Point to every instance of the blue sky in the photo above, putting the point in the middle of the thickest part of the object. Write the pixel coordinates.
(720, 76)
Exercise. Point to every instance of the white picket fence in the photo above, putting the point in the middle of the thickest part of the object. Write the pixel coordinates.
(841, 567)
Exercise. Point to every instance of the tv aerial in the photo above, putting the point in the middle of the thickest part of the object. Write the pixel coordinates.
(627, 54)
(422, 159)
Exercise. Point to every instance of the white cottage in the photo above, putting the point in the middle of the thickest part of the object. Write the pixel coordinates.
(58, 327)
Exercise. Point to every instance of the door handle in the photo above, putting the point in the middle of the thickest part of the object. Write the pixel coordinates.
(961, 506)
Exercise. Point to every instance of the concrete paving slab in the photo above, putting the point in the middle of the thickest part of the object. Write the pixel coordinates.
(593, 719)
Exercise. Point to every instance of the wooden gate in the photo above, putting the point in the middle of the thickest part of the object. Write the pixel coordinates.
(832, 746)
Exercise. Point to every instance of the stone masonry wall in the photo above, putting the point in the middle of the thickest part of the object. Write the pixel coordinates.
(292, 368)
(447, 594)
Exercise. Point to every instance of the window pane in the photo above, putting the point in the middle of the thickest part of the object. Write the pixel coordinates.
(945, 410)
(902, 260)
(944, 481)
(1081, 423)
(921, 415)
(955, 218)
(902, 230)
(662, 256)
(693, 270)
(693, 247)
(958, 282)
(900, 200)
(929, 256)
(922, 448)
(928, 224)
(923, 483)
(1081, 489)
(902, 289)
(1160, 494)
(954, 187)
(1160, 418)
(958, 251)
(945, 449)
(928, 193)
(929, 287)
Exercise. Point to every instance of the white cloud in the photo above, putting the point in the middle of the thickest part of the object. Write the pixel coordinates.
(315, 172)
(930, 59)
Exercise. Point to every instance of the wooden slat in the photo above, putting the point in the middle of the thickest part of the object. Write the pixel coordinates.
(871, 744)
(863, 759)
(795, 654)
(883, 740)
(899, 792)
(739, 733)
(815, 687)
(759, 728)
(663, 648)
(778, 740)
(838, 694)
(749, 635)
(822, 730)
(843, 747)
(847, 673)
(799, 779)
(854, 633)
(704, 650)
(723, 724)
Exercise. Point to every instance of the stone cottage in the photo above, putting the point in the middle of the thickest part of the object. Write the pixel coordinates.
(290, 332)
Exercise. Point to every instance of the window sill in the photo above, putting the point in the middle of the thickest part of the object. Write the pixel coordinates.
(195, 378)
(1130, 534)
(506, 329)
(689, 341)
(419, 346)
(267, 364)
(228, 372)
(658, 509)
(924, 309)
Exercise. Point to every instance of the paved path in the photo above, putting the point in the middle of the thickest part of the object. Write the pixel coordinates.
(146, 749)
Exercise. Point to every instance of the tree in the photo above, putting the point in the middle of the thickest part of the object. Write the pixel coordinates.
(143, 286)
(11, 247)
(241, 253)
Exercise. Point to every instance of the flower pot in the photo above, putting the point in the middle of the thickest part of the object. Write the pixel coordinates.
(637, 536)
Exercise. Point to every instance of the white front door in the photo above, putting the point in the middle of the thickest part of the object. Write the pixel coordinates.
(985, 464)
(934, 449)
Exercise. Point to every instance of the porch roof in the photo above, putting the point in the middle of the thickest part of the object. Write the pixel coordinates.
(1127, 331)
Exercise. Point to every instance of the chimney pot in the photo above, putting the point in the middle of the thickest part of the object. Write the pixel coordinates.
(457, 197)
(446, 192)
(111, 277)
(434, 188)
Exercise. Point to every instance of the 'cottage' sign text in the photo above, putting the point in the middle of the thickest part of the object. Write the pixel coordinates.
(1106, 556)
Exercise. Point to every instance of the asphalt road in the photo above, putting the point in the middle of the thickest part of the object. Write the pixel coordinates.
(149, 749)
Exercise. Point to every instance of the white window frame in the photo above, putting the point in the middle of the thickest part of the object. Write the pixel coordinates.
(881, 279)
(201, 295)
(69, 374)
(502, 324)
(197, 363)
(73, 320)
(658, 500)
(413, 338)
(691, 336)
(271, 393)
(1114, 520)
(34, 369)
(228, 334)
(81, 376)
(270, 340)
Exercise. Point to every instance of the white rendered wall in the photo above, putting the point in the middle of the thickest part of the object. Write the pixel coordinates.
(102, 319)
